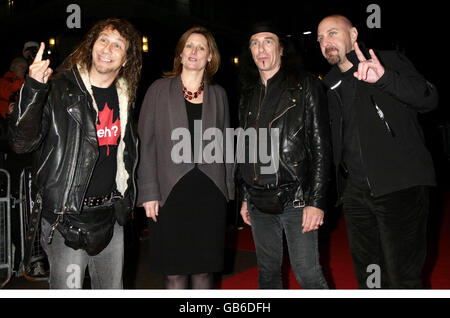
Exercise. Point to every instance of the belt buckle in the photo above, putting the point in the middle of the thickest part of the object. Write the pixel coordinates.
(115, 196)
(92, 202)
(98, 201)
(298, 203)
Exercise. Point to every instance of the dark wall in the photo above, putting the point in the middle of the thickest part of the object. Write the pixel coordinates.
(411, 28)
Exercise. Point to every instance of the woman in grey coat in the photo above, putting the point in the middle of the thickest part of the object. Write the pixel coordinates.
(182, 190)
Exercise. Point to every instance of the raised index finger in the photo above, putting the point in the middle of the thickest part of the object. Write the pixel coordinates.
(39, 54)
(359, 54)
(374, 57)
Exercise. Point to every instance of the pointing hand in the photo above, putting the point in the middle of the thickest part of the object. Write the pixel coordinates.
(40, 70)
(369, 71)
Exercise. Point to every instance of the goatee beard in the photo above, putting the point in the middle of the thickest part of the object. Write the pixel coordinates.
(332, 59)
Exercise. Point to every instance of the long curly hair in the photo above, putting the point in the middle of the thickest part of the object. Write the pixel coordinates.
(131, 72)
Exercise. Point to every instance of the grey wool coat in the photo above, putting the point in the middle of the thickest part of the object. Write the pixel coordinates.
(163, 111)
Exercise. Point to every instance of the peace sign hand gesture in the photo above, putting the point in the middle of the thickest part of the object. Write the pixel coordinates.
(40, 70)
(369, 71)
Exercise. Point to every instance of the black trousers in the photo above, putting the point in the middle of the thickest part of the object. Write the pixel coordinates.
(387, 234)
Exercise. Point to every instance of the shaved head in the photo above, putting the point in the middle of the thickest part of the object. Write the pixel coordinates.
(344, 21)
(336, 36)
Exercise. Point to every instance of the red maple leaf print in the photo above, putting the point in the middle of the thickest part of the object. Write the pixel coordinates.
(108, 132)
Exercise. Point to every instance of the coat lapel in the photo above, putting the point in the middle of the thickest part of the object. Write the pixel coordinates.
(177, 107)
(84, 116)
(177, 110)
(209, 109)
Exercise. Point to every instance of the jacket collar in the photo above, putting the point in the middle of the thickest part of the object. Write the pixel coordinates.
(290, 84)
(290, 79)
(276, 78)
(86, 87)
(335, 75)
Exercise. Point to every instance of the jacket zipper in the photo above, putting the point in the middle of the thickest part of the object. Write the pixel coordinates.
(72, 168)
(270, 134)
(278, 117)
(96, 119)
(86, 185)
(361, 156)
(43, 164)
(136, 142)
(359, 140)
(20, 108)
(255, 178)
(61, 214)
(381, 115)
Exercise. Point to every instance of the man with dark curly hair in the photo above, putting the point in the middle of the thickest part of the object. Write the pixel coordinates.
(79, 127)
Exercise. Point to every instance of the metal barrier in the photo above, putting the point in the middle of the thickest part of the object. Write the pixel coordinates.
(5, 229)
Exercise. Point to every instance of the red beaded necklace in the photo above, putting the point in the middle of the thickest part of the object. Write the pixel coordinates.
(193, 95)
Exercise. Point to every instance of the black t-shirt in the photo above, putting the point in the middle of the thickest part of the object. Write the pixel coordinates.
(103, 180)
(194, 112)
(262, 108)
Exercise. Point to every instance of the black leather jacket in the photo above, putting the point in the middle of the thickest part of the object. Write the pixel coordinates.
(57, 122)
(305, 154)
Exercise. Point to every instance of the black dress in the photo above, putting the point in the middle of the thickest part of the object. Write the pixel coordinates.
(189, 236)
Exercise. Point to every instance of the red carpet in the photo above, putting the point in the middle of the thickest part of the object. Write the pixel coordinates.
(336, 259)
(440, 272)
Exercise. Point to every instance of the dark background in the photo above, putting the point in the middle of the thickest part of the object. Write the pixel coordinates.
(411, 27)
(414, 28)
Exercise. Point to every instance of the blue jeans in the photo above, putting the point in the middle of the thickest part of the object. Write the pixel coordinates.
(67, 266)
(303, 249)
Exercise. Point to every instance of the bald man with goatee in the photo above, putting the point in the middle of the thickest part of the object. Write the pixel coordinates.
(383, 170)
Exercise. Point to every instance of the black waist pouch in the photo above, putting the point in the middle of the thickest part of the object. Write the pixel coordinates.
(92, 230)
(270, 201)
(122, 210)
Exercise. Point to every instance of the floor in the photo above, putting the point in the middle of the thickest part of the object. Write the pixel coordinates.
(240, 261)
(137, 274)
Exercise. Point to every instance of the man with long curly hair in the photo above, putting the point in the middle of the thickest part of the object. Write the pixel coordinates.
(85, 153)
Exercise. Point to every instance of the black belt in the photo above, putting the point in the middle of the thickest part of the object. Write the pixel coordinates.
(271, 186)
(101, 200)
